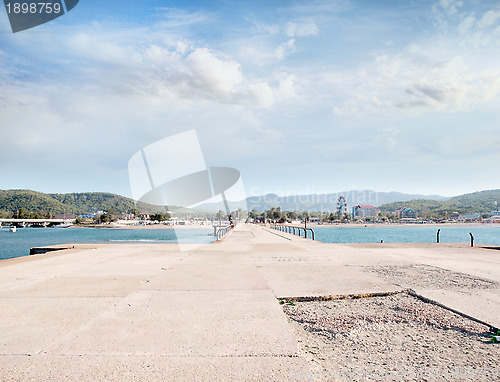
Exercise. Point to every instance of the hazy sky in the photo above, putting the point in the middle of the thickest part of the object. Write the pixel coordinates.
(300, 96)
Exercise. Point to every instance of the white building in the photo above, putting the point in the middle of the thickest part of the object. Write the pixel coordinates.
(365, 211)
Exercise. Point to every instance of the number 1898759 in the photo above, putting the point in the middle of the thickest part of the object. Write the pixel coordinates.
(34, 8)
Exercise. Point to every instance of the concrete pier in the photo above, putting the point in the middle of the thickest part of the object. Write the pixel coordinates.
(154, 313)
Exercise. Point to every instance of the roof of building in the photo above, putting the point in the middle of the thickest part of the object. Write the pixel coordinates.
(408, 209)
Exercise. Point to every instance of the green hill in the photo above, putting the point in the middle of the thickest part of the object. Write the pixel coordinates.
(89, 202)
(75, 203)
(481, 202)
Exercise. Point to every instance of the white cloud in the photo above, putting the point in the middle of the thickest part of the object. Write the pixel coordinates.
(246, 89)
(166, 69)
(266, 28)
(286, 89)
(171, 69)
(214, 72)
(284, 48)
(264, 44)
(387, 66)
(415, 79)
(466, 25)
(474, 27)
(92, 47)
(179, 19)
(488, 85)
(263, 94)
(301, 29)
(488, 19)
(390, 130)
(450, 7)
(181, 47)
(264, 52)
(161, 56)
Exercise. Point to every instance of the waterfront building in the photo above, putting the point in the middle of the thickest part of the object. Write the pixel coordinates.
(493, 219)
(406, 213)
(87, 216)
(365, 211)
(469, 217)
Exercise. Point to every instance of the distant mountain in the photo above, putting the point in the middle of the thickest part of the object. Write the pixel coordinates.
(89, 202)
(318, 202)
(481, 202)
(76, 203)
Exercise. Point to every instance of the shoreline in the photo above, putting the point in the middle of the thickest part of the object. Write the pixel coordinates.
(368, 224)
(145, 227)
(309, 225)
(369, 243)
(125, 226)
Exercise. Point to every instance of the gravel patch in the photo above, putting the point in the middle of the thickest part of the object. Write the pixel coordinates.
(429, 277)
(395, 338)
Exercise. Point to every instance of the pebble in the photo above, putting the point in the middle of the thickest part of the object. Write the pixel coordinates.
(395, 338)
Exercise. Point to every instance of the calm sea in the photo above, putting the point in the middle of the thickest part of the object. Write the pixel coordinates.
(408, 234)
(19, 243)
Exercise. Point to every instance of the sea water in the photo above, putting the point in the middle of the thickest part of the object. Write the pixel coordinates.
(411, 233)
(17, 244)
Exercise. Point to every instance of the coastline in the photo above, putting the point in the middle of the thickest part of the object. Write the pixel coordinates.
(122, 225)
(147, 227)
(325, 233)
(368, 224)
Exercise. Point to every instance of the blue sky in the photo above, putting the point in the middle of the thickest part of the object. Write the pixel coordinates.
(300, 96)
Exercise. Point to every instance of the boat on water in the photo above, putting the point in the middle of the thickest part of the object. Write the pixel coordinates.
(63, 225)
(13, 228)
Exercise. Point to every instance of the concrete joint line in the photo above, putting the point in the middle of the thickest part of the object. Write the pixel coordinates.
(340, 297)
(277, 234)
(491, 328)
(131, 354)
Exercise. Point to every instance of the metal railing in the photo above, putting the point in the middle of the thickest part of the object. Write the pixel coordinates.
(222, 231)
(293, 230)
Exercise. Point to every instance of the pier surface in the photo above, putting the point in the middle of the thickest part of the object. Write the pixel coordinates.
(155, 313)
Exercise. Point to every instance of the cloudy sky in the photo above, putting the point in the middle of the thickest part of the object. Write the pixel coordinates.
(300, 96)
